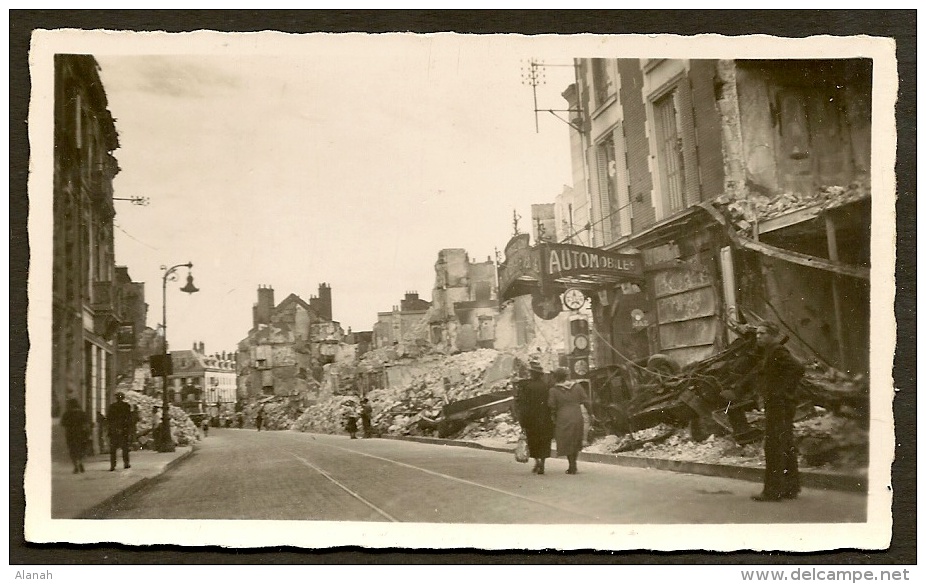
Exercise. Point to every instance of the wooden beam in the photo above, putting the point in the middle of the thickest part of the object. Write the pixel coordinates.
(784, 254)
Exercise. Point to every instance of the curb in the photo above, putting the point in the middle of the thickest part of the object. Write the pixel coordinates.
(98, 509)
(810, 479)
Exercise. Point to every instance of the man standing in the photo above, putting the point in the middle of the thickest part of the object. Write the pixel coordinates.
(778, 376)
(119, 418)
(366, 417)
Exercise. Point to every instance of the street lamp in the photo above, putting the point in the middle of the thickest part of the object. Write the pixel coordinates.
(166, 443)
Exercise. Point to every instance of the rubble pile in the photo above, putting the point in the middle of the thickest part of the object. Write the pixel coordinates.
(280, 412)
(326, 417)
(501, 427)
(183, 431)
(429, 383)
(744, 212)
(825, 440)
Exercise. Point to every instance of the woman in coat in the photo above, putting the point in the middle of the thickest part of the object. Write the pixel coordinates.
(565, 401)
(76, 433)
(534, 416)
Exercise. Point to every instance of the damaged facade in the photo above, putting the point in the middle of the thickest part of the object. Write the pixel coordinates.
(288, 345)
(464, 302)
(743, 185)
(403, 325)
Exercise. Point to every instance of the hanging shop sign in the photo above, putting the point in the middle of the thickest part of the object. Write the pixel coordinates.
(554, 267)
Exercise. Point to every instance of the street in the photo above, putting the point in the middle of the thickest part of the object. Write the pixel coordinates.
(244, 474)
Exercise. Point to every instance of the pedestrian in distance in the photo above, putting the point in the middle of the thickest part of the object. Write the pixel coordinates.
(565, 401)
(259, 420)
(366, 417)
(533, 413)
(350, 419)
(778, 376)
(205, 427)
(76, 432)
(240, 420)
(119, 419)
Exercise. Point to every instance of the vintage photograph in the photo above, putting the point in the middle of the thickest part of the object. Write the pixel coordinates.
(601, 292)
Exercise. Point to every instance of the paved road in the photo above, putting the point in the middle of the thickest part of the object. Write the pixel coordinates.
(244, 474)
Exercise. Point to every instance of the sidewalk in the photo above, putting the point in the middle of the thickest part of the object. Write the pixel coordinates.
(86, 495)
(809, 478)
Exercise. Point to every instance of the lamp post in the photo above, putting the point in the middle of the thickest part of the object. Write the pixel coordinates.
(166, 443)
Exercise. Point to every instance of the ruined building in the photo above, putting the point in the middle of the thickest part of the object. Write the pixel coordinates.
(288, 344)
(464, 302)
(743, 186)
(404, 325)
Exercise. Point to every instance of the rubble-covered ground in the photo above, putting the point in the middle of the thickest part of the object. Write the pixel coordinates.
(183, 431)
(825, 441)
(430, 383)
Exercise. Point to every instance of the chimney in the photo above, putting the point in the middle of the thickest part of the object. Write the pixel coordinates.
(264, 307)
(324, 301)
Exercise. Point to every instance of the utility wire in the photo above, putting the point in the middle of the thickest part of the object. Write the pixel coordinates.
(130, 236)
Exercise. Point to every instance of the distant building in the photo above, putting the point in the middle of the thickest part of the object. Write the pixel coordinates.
(203, 383)
(465, 301)
(405, 324)
(86, 316)
(288, 345)
(131, 296)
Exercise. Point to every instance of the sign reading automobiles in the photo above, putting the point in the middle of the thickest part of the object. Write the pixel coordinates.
(562, 260)
(549, 267)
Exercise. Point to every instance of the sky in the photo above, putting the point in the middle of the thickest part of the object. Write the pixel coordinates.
(352, 161)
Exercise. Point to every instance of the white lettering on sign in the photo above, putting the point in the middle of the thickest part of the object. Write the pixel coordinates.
(567, 260)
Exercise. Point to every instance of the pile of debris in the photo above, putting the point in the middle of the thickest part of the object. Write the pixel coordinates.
(279, 412)
(757, 207)
(499, 427)
(419, 390)
(183, 431)
(824, 439)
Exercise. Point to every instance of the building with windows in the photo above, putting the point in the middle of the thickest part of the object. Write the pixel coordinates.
(288, 345)
(744, 185)
(86, 315)
(203, 383)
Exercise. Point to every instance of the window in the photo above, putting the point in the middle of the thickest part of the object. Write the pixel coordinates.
(601, 78)
(669, 154)
(604, 206)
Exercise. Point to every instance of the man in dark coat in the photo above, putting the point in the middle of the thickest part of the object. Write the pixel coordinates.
(778, 377)
(76, 433)
(534, 416)
(119, 418)
(366, 417)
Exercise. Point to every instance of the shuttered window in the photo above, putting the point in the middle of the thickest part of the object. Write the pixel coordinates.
(605, 155)
(669, 153)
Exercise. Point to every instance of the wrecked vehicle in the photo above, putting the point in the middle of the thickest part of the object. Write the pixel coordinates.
(711, 396)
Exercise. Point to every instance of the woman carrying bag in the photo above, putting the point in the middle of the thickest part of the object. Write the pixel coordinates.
(534, 416)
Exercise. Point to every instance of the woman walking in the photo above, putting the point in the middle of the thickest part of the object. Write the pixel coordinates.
(534, 416)
(76, 433)
(565, 399)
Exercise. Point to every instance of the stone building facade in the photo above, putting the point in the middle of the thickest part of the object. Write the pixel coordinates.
(86, 315)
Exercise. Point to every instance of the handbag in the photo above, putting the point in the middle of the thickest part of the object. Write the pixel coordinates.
(521, 453)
